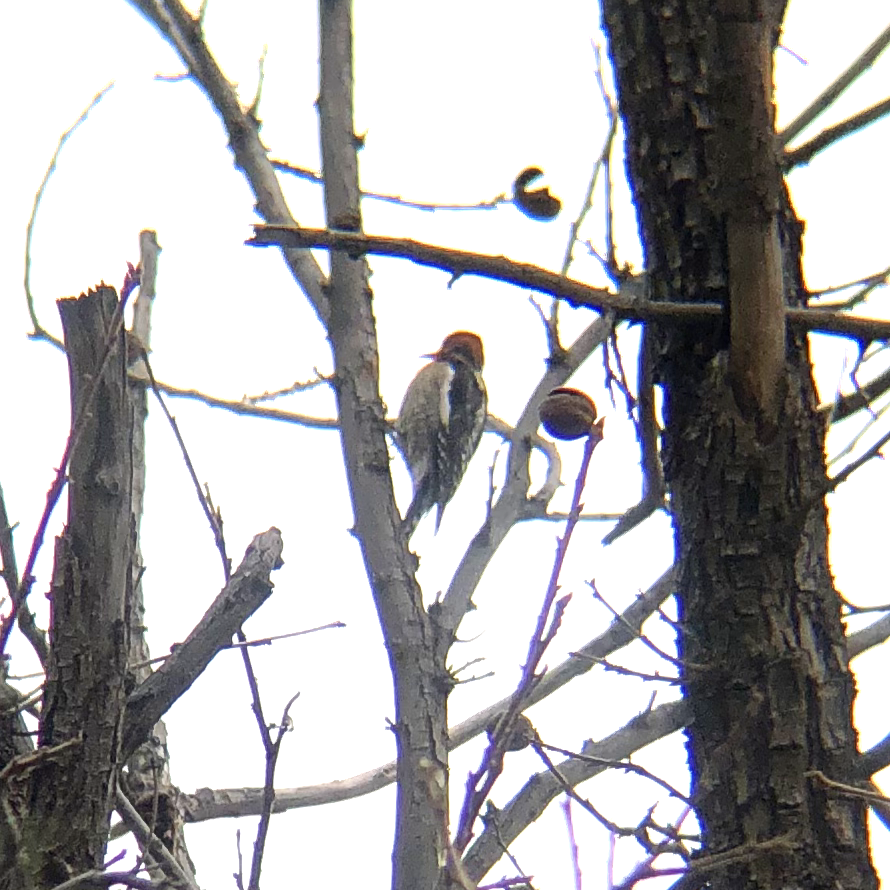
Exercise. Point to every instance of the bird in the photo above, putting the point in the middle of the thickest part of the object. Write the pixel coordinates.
(440, 423)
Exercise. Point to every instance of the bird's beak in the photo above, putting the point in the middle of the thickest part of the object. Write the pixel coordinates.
(430, 355)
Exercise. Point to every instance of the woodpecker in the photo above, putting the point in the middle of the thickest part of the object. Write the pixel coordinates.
(440, 423)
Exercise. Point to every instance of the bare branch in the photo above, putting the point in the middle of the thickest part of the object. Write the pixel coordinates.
(93, 879)
(514, 503)
(806, 152)
(151, 843)
(869, 637)
(241, 597)
(273, 749)
(35, 636)
(828, 96)
(629, 304)
(147, 781)
(247, 409)
(185, 35)
(29, 231)
(207, 804)
(847, 406)
(544, 787)
(212, 514)
(873, 452)
(624, 765)
(312, 176)
(480, 783)
(419, 678)
(654, 488)
(573, 843)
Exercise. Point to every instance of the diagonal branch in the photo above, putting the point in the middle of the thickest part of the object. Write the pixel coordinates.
(832, 92)
(480, 782)
(514, 503)
(239, 802)
(247, 590)
(544, 787)
(806, 152)
(183, 32)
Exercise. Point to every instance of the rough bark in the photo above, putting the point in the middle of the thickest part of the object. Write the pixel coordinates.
(58, 800)
(767, 678)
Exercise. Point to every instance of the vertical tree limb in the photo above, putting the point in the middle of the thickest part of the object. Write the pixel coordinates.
(62, 802)
(421, 685)
(147, 783)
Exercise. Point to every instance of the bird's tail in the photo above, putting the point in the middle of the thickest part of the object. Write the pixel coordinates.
(419, 507)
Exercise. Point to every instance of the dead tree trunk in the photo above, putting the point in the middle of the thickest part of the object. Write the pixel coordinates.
(58, 800)
(764, 649)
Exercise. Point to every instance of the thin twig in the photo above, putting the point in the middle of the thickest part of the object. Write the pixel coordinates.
(624, 765)
(869, 281)
(27, 624)
(312, 176)
(566, 786)
(29, 230)
(150, 842)
(95, 878)
(272, 752)
(295, 387)
(832, 92)
(806, 152)
(654, 488)
(260, 641)
(671, 659)
(210, 513)
(480, 782)
(873, 452)
(184, 34)
(573, 843)
(628, 672)
(215, 519)
(873, 417)
(645, 870)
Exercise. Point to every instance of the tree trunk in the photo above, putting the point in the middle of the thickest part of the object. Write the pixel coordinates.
(763, 645)
(58, 800)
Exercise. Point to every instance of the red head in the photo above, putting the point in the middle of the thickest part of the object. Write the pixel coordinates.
(461, 346)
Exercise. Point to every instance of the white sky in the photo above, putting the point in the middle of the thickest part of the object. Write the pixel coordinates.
(454, 104)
